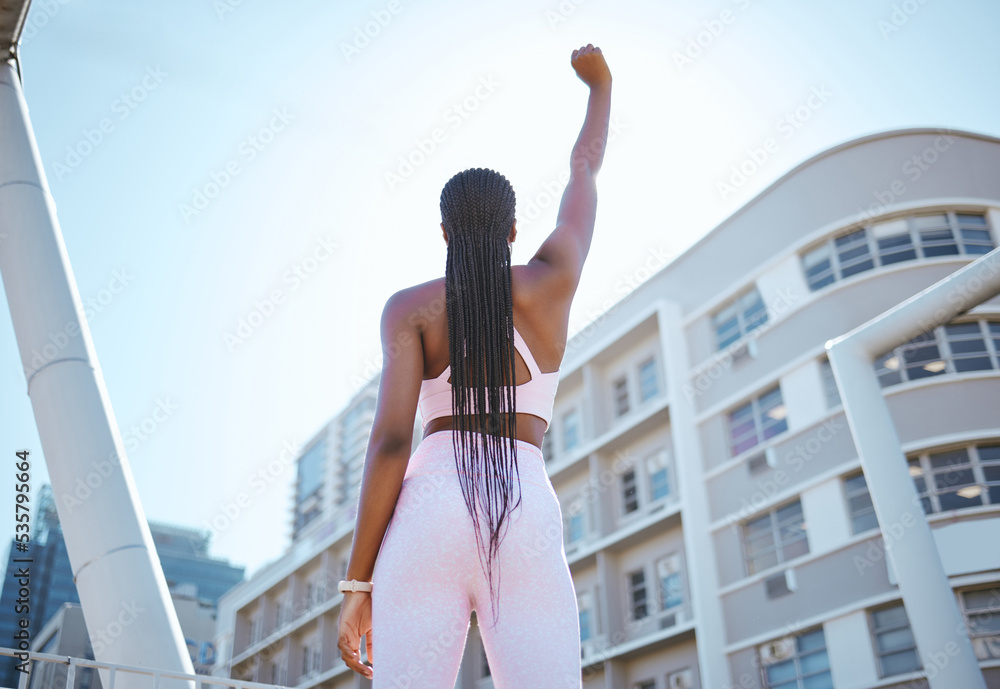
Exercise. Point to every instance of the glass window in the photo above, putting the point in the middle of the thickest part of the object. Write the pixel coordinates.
(894, 645)
(959, 478)
(630, 496)
(967, 345)
(620, 388)
(659, 479)
(894, 241)
(818, 267)
(936, 235)
(668, 572)
(637, 594)
(859, 503)
(570, 430)
(799, 663)
(903, 239)
(744, 314)
(777, 536)
(975, 233)
(981, 608)
(585, 605)
(648, 383)
(575, 524)
(754, 422)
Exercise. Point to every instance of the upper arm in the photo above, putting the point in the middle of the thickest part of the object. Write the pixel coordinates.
(402, 371)
(565, 250)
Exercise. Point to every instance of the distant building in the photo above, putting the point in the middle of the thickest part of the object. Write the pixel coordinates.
(188, 568)
(717, 519)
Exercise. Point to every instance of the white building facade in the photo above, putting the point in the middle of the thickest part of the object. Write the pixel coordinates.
(716, 519)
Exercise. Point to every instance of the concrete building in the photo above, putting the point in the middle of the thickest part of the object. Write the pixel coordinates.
(191, 574)
(716, 519)
(66, 634)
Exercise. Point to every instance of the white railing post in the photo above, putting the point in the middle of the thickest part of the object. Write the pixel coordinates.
(936, 623)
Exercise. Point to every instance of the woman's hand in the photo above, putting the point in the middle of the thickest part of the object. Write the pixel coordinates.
(356, 621)
(590, 66)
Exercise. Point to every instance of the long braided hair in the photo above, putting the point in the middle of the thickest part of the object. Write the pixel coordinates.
(477, 209)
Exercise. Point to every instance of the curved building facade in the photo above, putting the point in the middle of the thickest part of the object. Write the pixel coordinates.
(717, 521)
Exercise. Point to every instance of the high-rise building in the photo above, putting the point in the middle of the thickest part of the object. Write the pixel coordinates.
(717, 520)
(188, 568)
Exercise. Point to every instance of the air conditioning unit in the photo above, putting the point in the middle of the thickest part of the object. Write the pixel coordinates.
(776, 651)
(681, 680)
(780, 584)
(668, 621)
(744, 352)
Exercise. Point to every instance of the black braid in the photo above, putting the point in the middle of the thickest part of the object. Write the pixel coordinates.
(477, 209)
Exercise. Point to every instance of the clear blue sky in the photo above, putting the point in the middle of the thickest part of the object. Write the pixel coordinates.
(301, 119)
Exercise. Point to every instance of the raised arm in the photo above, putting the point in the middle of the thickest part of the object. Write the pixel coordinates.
(563, 253)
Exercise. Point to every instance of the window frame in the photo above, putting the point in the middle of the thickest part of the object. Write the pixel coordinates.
(855, 493)
(757, 413)
(742, 308)
(650, 364)
(777, 545)
(630, 591)
(796, 659)
(977, 466)
(874, 632)
(840, 252)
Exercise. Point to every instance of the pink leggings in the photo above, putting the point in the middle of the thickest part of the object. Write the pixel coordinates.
(428, 578)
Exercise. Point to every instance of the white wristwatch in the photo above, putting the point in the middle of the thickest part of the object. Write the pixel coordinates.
(354, 585)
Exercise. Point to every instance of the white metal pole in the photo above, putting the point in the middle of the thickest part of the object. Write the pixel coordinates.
(129, 614)
(935, 620)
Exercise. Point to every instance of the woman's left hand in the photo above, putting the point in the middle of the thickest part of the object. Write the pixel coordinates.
(356, 621)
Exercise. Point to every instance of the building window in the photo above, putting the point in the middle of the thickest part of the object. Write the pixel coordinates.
(668, 573)
(648, 684)
(648, 383)
(742, 315)
(894, 645)
(955, 479)
(830, 390)
(778, 536)
(585, 604)
(953, 348)
(570, 430)
(575, 521)
(859, 502)
(620, 396)
(797, 662)
(902, 239)
(637, 594)
(659, 478)
(981, 608)
(630, 495)
(759, 419)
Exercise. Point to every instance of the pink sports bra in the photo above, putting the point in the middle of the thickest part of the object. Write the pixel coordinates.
(536, 396)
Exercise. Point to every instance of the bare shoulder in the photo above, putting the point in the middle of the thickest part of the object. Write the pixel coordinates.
(419, 306)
